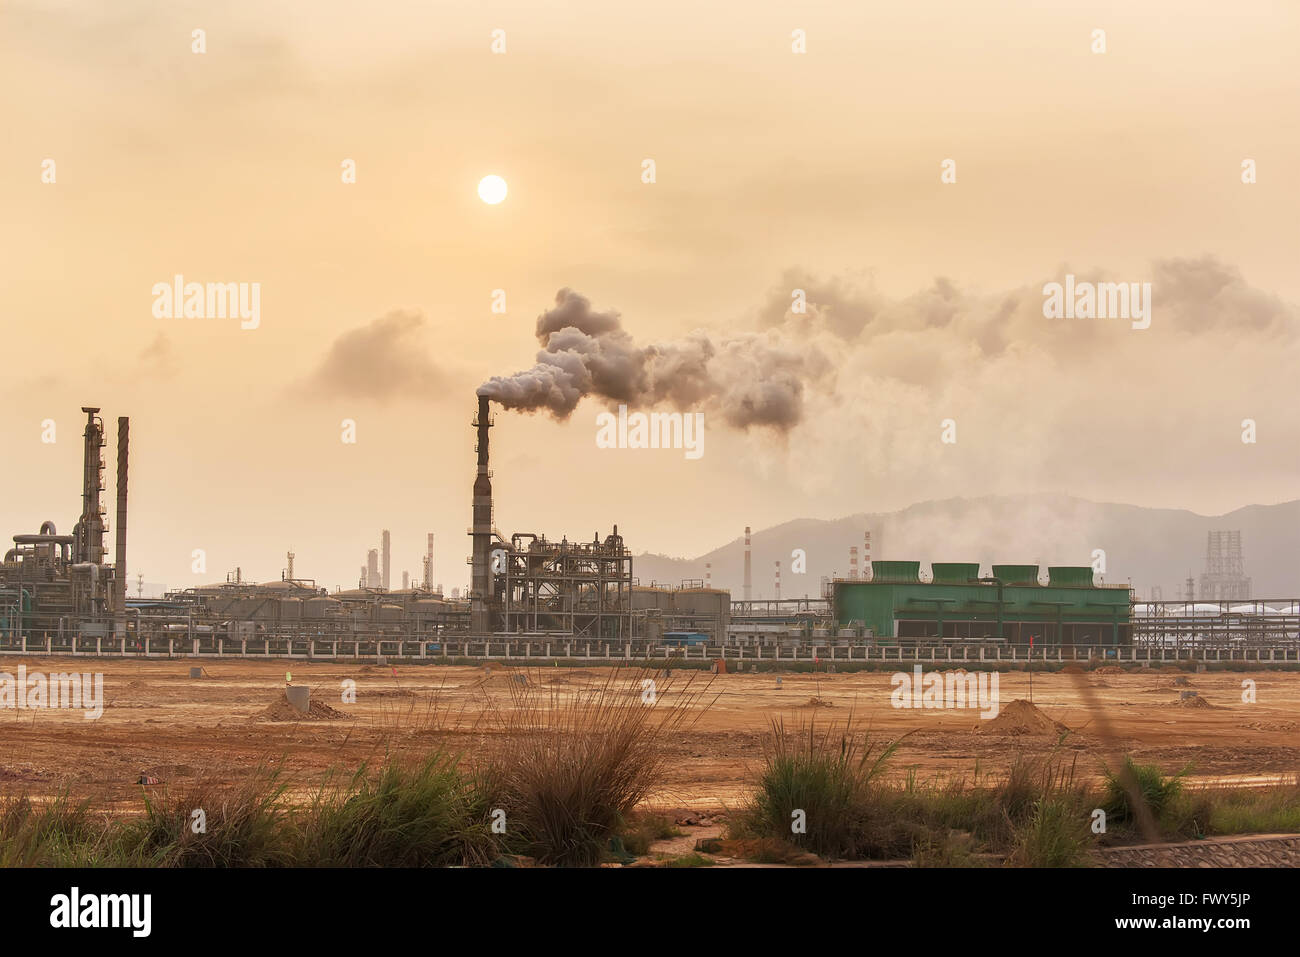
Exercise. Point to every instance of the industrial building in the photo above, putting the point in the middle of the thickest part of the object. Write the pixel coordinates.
(958, 603)
(63, 585)
(529, 585)
(531, 594)
(1225, 577)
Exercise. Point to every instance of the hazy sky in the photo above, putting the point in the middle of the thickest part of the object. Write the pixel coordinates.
(774, 171)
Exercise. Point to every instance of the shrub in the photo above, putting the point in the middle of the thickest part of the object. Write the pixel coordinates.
(569, 769)
(828, 776)
(1156, 790)
(423, 815)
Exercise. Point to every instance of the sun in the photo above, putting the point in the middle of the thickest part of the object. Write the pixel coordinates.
(492, 189)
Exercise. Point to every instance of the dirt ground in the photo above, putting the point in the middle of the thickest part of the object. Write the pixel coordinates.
(160, 722)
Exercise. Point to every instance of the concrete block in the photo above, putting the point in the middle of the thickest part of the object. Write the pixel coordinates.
(196, 672)
(299, 696)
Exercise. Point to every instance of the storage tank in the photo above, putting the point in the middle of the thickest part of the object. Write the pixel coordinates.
(646, 596)
(321, 607)
(714, 603)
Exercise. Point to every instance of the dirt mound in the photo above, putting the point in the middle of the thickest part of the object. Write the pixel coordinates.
(1071, 670)
(1021, 717)
(282, 710)
(819, 703)
(1163, 687)
(1191, 701)
(1109, 670)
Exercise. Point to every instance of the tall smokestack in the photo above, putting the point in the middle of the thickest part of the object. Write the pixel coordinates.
(708, 574)
(853, 562)
(387, 546)
(428, 564)
(480, 622)
(778, 580)
(406, 580)
(749, 591)
(372, 568)
(89, 533)
(119, 561)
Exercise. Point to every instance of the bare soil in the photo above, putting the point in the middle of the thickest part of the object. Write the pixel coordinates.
(158, 720)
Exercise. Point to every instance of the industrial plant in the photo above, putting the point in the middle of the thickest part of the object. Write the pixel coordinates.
(531, 595)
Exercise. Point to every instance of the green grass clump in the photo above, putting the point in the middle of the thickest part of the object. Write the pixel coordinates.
(816, 790)
(570, 768)
(428, 814)
(213, 825)
(1056, 834)
(1156, 789)
(59, 833)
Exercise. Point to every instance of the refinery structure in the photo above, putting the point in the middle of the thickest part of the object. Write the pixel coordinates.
(533, 596)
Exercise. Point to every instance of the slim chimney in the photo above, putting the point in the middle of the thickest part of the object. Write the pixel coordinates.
(119, 561)
(88, 535)
(866, 556)
(480, 621)
(387, 546)
(708, 574)
(428, 563)
(749, 591)
(372, 568)
(853, 562)
(778, 580)
(406, 581)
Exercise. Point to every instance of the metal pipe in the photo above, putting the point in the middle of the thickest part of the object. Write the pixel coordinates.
(119, 562)
(481, 580)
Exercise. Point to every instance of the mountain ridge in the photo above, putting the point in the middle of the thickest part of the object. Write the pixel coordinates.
(1148, 546)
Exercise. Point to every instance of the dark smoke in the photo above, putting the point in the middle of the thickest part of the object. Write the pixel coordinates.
(751, 380)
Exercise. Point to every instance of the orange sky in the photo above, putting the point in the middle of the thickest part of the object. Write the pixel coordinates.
(774, 170)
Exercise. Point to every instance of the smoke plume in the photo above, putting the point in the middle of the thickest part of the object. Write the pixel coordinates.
(754, 379)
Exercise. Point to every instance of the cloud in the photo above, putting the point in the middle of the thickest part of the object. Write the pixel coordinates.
(382, 361)
(158, 359)
(1045, 403)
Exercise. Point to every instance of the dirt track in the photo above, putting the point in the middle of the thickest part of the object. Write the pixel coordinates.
(159, 721)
